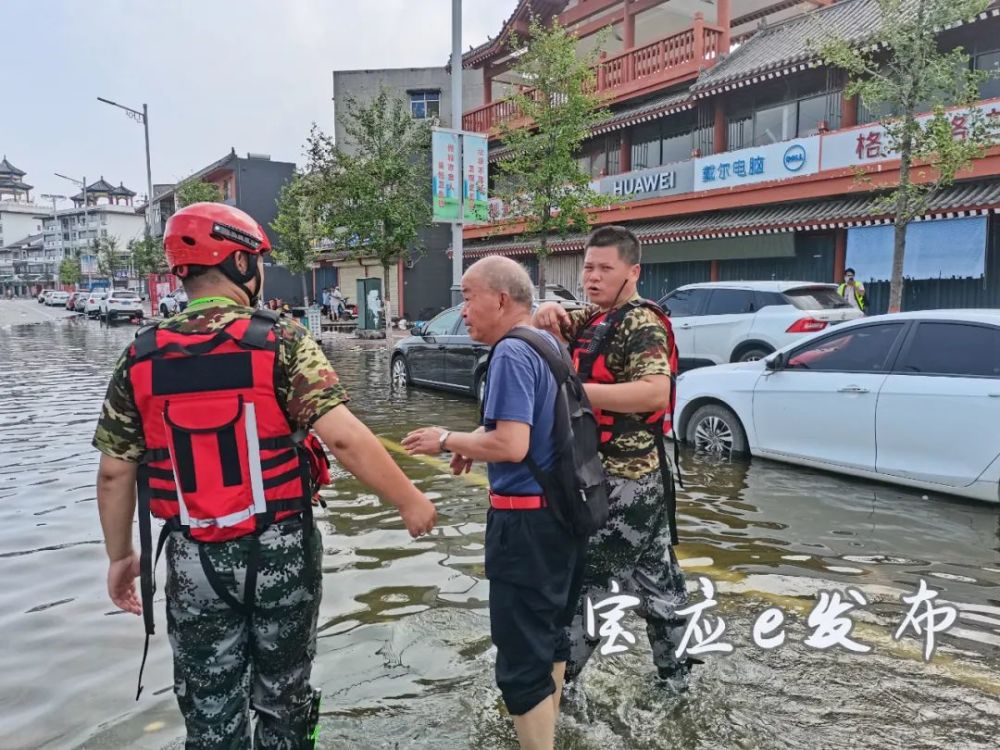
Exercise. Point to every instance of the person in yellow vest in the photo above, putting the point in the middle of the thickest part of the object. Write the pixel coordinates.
(853, 291)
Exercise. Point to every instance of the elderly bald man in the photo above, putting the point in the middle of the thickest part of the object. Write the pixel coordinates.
(534, 565)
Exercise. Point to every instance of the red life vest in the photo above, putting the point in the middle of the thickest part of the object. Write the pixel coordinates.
(221, 458)
(589, 352)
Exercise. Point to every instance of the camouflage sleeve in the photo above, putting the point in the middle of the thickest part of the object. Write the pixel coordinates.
(314, 388)
(119, 429)
(577, 318)
(647, 350)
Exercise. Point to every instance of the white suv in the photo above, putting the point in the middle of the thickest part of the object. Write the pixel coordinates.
(742, 321)
(173, 303)
(121, 303)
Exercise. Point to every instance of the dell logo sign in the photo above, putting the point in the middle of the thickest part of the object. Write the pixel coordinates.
(794, 158)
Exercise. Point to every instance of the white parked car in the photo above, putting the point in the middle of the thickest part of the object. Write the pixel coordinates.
(121, 303)
(173, 303)
(742, 321)
(93, 306)
(57, 298)
(43, 296)
(911, 398)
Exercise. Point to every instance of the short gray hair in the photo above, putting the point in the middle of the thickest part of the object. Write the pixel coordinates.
(505, 275)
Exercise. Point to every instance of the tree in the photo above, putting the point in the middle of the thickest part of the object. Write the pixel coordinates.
(196, 191)
(147, 256)
(295, 247)
(110, 259)
(549, 191)
(69, 270)
(901, 70)
(373, 200)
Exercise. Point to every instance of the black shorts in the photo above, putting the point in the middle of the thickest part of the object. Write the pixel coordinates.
(535, 571)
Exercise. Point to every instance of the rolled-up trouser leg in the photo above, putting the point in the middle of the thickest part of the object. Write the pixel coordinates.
(530, 561)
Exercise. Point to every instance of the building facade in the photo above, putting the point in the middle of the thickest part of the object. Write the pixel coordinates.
(421, 285)
(736, 152)
(251, 183)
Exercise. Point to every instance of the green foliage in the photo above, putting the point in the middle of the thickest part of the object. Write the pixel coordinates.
(147, 256)
(902, 71)
(371, 200)
(69, 271)
(550, 192)
(196, 191)
(110, 259)
(293, 247)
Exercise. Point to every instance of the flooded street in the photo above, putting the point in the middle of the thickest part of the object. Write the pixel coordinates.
(404, 657)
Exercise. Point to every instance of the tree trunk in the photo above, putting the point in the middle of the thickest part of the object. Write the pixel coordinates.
(387, 308)
(541, 267)
(901, 221)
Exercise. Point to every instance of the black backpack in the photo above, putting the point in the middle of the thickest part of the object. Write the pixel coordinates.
(574, 485)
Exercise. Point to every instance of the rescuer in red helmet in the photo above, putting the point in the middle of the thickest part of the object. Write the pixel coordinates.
(208, 422)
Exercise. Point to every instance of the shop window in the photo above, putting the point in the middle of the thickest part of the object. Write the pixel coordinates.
(646, 146)
(812, 112)
(425, 104)
(677, 147)
(989, 62)
(774, 124)
(740, 133)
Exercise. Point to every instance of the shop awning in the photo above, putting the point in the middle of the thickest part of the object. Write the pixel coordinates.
(963, 199)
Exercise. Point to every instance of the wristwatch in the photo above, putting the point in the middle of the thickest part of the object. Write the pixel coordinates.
(441, 440)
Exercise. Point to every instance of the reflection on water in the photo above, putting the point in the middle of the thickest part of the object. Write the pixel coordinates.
(404, 657)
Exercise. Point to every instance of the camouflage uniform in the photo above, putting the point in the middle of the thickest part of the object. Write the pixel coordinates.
(226, 660)
(633, 548)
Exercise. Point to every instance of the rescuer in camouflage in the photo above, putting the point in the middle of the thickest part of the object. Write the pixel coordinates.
(241, 613)
(633, 548)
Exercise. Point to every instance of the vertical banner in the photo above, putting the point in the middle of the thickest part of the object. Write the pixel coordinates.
(475, 164)
(446, 180)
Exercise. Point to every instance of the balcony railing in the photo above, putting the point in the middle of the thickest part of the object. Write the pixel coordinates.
(631, 73)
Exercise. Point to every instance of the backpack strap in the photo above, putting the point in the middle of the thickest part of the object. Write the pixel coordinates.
(145, 341)
(261, 323)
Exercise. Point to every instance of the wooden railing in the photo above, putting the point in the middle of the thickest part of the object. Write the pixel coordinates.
(631, 73)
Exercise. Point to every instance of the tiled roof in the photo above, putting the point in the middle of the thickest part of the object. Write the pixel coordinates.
(14, 184)
(791, 45)
(962, 199)
(651, 109)
(7, 168)
(524, 9)
(122, 191)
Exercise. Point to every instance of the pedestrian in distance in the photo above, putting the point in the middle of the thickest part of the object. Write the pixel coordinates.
(623, 349)
(853, 290)
(533, 562)
(211, 421)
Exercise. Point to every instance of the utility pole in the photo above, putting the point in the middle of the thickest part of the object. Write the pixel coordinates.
(456, 124)
(142, 117)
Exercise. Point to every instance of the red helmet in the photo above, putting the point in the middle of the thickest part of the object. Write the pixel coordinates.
(205, 234)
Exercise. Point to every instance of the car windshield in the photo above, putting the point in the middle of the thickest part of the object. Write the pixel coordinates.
(816, 298)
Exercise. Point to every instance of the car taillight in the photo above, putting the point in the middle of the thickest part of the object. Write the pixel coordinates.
(807, 325)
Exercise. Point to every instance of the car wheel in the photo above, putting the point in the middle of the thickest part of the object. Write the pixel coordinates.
(400, 373)
(716, 429)
(480, 388)
(753, 354)
(163, 311)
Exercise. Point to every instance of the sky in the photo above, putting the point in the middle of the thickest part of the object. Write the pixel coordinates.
(216, 74)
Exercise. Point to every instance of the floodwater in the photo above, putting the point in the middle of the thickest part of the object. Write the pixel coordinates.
(404, 657)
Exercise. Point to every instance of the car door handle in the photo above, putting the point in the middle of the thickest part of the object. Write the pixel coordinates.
(684, 325)
(852, 389)
(994, 395)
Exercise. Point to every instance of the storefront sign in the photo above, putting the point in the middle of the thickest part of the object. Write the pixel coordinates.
(475, 164)
(870, 144)
(446, 178)
(775, 161)
(670, 179)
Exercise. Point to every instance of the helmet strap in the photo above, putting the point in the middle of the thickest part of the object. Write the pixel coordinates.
(233, 273)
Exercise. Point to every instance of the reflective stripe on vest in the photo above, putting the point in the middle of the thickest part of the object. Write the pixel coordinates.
(218, 440)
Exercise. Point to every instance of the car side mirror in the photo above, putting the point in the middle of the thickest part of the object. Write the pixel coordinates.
(777, 362)
(418, 329)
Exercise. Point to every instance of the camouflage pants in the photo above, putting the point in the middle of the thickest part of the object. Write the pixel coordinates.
(634, 549)
(226, 661)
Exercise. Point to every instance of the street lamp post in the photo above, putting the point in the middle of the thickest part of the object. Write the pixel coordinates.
(142, 117)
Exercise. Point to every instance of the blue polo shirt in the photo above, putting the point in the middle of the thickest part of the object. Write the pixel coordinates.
(520, 388)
